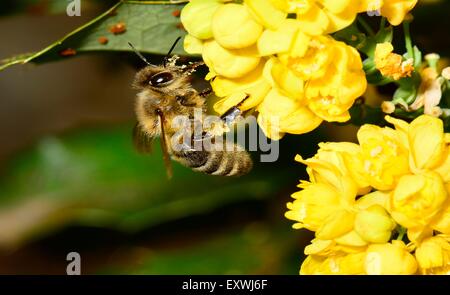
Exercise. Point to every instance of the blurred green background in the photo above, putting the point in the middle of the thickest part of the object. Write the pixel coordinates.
(70, 179)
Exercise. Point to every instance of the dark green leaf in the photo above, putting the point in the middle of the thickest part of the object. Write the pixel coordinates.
(151, 28)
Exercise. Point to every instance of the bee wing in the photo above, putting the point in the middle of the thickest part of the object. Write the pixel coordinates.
(166, 156)
(142, 141)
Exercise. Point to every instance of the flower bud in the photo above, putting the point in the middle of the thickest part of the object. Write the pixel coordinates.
(233, 27)
(196, 17)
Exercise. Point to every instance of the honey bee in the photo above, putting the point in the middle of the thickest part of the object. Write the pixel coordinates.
(165, 92)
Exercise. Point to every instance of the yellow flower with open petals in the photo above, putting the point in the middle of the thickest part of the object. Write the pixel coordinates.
(433, 255)
(332, 95)
(312, 205)
(385, 157)
(334, 163)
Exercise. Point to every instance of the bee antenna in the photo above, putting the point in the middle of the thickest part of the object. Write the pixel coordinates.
(170, 51)
(139, 54)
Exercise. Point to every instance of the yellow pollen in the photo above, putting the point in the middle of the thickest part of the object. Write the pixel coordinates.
(376, 151)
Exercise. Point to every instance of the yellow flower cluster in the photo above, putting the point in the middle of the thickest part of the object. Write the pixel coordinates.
(361, 199)
(275, 56)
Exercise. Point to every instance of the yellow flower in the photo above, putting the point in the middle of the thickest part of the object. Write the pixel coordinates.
(242, 32)
(332, 72)
(376, 259)
(385, 157)
(417, 199)
(313, 205)
(390, 258)
(334, 161)
(336, 225)
(427, 142)
(311, 60)
(394, 10)
(402, 175)
(320, 16)
(433, 255)
(332, 95)
(391, 64)
(262, 60)
(328, 257)
(197, 15)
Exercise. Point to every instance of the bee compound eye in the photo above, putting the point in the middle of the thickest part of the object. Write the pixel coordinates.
(160, 79)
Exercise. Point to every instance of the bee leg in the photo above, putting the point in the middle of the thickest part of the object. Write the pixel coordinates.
(234, 113)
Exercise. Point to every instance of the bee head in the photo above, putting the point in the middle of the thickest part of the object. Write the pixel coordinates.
(164, 78)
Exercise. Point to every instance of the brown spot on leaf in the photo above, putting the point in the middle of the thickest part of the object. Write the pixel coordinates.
(68, 52)
(180, 26)
(176, 13)
(103, 40)
(118, 28)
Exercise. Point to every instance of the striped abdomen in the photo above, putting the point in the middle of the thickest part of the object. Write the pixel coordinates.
(231, 162)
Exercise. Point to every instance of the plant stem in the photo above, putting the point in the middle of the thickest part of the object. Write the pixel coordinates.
(408, 41)
(401, 233)
(382, 23)
(366, 26)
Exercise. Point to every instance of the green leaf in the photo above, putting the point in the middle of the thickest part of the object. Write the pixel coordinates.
(95, 178)
(417, 57)
(152, 28)
(351, 36)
